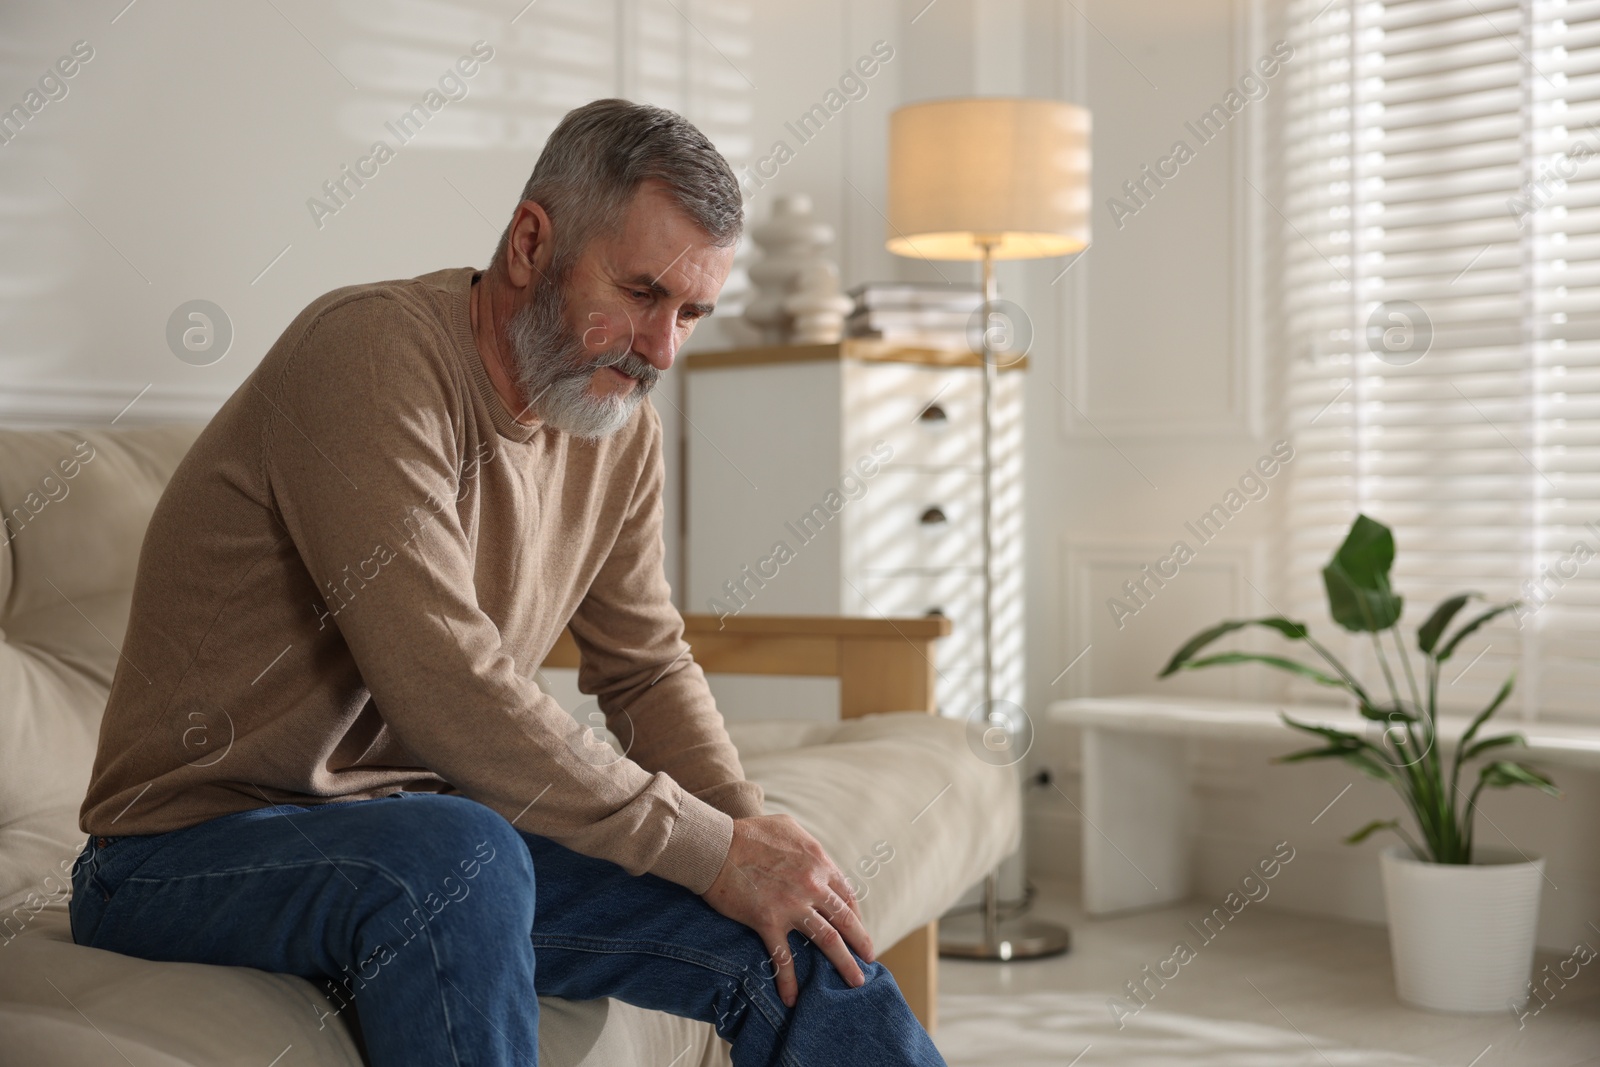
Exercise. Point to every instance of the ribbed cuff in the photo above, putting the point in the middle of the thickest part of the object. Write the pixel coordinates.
(697, 847)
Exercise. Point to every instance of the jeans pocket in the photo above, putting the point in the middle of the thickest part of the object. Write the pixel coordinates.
(111, 859)
(101, 868)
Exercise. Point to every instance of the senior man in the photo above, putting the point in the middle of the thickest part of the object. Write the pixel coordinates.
(324, 752)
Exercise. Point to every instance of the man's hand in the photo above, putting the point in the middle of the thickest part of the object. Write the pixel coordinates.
(777, 878)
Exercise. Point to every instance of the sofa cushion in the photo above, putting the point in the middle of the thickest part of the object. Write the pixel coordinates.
(192, 1013)
(902, 804)
(64, 1004)
(898, 800)
(75, 505)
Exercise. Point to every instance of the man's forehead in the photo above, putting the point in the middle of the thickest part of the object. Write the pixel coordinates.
(658, 235)
(693, 267)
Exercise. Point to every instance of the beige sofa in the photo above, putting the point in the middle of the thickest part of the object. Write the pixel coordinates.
(75, 504)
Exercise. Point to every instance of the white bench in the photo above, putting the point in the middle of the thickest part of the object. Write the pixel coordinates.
(1137, 800)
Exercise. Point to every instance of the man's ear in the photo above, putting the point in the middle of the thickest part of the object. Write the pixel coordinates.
(531, 248)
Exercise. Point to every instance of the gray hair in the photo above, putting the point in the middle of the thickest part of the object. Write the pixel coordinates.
(600, 153)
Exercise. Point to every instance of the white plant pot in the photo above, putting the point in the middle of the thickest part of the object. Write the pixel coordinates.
(1462, 935)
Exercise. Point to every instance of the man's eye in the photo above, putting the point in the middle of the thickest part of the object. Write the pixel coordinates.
(639, 294)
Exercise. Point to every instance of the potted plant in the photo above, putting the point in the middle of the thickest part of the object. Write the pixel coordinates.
(1461, 919)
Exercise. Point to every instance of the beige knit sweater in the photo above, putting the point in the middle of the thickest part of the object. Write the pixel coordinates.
(349, 583)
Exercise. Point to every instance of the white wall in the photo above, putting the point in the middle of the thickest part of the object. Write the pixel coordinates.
(180, 162)
(1153, 407)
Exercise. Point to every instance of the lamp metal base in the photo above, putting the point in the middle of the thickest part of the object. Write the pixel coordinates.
(969, 937)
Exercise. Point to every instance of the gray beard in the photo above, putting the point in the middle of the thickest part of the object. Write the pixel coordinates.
(555, 370)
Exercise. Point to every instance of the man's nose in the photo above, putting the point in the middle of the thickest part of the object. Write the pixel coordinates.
(656, 341)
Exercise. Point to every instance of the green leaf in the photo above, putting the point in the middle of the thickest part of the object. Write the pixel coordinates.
(1371, 828)
(1488, 743)
(1503, 774)
(1352, 748)
(1331, 733)
(1461, 634)
(1494, 706)
(1335, 752)
(1223, 659)
(1359, 610)
(1465, 747)
(1357, 757)
(1367, 553)
(1390, 713)
(1295, 631)
(1357, 579)
(1371, 767)
(1428, 633)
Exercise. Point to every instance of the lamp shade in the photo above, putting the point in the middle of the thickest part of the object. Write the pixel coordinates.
(1007, 171)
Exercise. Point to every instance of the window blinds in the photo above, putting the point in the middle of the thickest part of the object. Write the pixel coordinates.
(1440, 169)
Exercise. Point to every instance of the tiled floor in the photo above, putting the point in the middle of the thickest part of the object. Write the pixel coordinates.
(1325, 978)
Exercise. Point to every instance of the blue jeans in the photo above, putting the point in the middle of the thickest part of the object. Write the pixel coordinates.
(431, 914)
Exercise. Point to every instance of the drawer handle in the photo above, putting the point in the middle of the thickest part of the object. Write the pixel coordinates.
(933, 413)
(933, 516)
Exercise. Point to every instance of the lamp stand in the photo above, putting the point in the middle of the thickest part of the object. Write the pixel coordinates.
(986, 936)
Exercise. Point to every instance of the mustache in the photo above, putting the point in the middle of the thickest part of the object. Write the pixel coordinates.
(628, 363)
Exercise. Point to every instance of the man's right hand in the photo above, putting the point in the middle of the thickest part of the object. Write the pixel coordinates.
(777, 878)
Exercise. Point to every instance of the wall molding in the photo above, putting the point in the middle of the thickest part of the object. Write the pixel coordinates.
(59, 403)
(1084, 418)
(1241, 563)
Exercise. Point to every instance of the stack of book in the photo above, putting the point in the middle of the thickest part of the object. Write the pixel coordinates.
(918, 314)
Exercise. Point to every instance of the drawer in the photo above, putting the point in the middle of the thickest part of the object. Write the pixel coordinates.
(955, 594)
(930, 416)
(918, 519)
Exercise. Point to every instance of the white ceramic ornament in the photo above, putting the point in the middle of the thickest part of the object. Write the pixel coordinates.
(789, 240)
(816, 307)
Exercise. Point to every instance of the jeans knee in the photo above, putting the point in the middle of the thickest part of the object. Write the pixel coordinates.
(459, 850)
(486, 832)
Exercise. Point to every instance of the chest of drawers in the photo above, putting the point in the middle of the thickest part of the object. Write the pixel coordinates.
(847, 479)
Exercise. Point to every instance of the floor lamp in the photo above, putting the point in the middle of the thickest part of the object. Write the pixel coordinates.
(989, 178)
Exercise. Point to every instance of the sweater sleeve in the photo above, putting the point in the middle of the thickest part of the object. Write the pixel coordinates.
(363, 438)
(638, 667)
